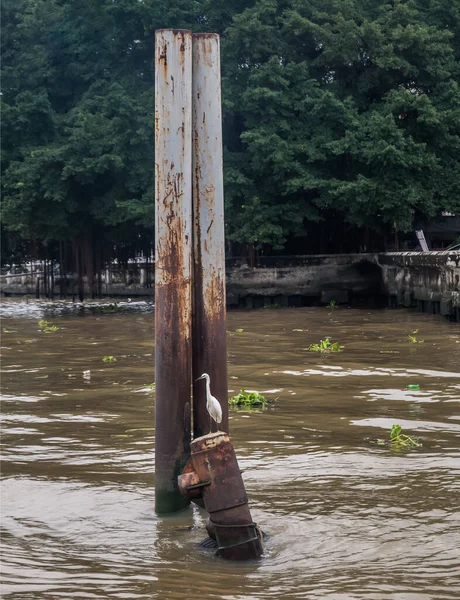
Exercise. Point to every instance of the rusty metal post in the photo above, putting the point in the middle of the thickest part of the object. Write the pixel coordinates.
(173, 263)
(209, 322)
(213, 479)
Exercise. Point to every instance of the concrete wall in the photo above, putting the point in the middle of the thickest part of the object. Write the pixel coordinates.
(115, 282)
(429, 281)
(285, 280)
(304, 280)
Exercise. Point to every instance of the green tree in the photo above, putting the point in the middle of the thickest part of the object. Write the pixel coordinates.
(78, 135)
(344, 106)
(337, 114)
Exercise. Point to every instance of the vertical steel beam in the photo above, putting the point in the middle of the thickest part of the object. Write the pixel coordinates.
(173, 262)
(209, 322)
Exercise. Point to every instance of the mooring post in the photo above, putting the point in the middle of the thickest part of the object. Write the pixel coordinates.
(173, 263)
(209, 322)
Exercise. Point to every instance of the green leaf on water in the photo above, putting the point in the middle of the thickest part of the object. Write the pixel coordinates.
(395, 431)
(239, 330)
(325, 346)
(247, 399)
(47, 327)
(399, 440)
(412, 339)
(109, 359)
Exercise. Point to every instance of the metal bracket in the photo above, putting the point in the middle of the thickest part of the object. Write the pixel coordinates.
(198, 485)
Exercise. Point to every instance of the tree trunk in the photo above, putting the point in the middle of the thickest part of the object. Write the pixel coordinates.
(51, 279)
(79, 268)
(251, 255)
(61, 271)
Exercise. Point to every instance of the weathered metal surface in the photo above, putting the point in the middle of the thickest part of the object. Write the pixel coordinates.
(173, 263)
(190, 484)
(213, 469)
(209, 322)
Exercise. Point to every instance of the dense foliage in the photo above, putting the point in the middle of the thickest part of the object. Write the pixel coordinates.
(341, 121)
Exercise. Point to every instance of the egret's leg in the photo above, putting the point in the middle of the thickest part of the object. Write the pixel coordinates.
(210, 424)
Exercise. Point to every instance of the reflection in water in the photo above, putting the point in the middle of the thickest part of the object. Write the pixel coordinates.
(345, 518)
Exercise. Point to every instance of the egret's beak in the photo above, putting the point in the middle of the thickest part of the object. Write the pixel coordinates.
(201, 377)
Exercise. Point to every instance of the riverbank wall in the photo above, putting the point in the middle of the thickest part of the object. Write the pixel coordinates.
(427, 281)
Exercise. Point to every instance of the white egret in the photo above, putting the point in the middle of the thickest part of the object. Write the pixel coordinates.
(212, 404)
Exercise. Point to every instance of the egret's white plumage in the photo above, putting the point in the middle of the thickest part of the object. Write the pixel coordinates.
(212, 404)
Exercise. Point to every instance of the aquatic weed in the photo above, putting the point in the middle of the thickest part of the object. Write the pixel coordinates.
(412, 339)
(247, 399)
(109, 359)
(325, 346)
(401, 440)
(47, 327)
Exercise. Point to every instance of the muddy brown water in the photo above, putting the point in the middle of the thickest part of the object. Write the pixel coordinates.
(345, 517)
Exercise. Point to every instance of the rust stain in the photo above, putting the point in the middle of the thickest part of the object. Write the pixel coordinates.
(210, 225)
(183, 44)
(207, 46)
(164, 54)
(209, 326)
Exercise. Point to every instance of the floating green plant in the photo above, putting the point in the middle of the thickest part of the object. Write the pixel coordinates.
(398, 440)
(247, 399)
(412, 339)
(47, 327)
(332, 304)
(239, 330)
(401, 440)
(325, 346)
(109, 359)
(150, 386)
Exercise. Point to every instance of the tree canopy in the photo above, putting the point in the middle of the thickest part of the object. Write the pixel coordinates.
(339, 115)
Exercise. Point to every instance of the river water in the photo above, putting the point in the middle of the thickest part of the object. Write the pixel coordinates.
(345, 518)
